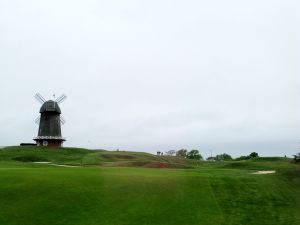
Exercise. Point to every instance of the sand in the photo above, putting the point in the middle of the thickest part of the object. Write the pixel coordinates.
(265, 172)
(53, 164)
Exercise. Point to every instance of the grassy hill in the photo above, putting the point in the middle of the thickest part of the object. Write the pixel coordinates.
(117, 188)
(84, 157)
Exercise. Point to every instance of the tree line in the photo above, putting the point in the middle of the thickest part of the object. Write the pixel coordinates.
(195, 154)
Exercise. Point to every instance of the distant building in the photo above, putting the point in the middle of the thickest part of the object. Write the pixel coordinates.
(171, 152)
(211, 158)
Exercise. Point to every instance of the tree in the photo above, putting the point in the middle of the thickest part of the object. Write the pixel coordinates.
(223, 157)
(253, 154)
(181, 153)
(297, 158)
(194, 154)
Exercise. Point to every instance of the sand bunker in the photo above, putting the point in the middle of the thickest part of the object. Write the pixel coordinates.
(53, 164)
(265, 172)
(62, 165)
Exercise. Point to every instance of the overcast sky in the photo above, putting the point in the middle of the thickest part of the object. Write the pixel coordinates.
(155, 75)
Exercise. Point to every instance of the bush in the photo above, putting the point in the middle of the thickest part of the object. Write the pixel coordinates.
(242, 158)
(252, 155)
(223, 157)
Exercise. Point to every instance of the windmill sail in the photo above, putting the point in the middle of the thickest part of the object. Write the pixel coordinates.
(39, 98)
(61, 98)
(62, 120)
(37, 120)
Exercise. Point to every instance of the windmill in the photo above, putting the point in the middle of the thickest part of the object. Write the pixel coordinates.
(50, 122)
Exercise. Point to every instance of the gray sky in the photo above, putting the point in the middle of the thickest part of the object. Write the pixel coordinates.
(155, 75)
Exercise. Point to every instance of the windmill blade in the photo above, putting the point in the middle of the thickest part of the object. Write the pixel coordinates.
(61, 98)
(39, 98)
(62, 120)
(37, 120)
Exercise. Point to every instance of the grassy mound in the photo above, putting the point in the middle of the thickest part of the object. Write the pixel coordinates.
(84, 157)
(266, 163)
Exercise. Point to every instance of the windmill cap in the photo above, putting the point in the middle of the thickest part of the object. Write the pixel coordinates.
(50, 106)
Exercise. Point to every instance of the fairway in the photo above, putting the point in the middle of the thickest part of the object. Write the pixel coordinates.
(126, 196)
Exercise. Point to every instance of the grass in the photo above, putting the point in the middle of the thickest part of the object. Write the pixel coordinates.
(84, 157)
(206, 193)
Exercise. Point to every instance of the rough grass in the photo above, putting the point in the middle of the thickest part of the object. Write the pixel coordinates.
(209, 193)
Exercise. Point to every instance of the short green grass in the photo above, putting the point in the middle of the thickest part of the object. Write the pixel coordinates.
(93, 193)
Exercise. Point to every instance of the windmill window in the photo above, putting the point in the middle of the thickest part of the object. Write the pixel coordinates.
(45, 143)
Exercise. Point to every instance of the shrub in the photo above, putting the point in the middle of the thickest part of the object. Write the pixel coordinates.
(242, 158)
(252, 155)
(223, 157)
